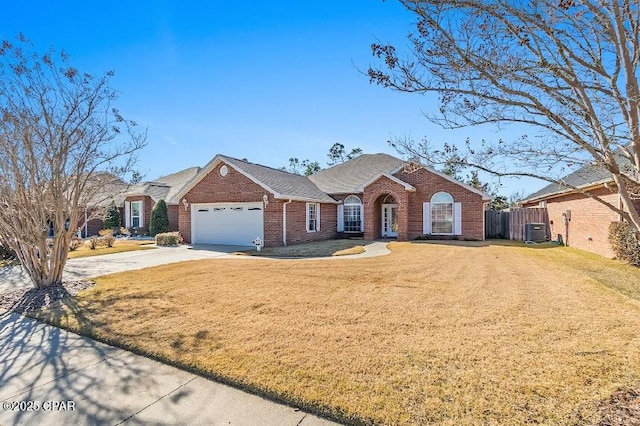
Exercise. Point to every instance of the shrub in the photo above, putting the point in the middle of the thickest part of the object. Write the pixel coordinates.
(104, 232)
(112, 219)
(75, 243)
(92, 242)
(125, 231)
(108, 240)
(624, 243)
(159, 222)
(169, 239)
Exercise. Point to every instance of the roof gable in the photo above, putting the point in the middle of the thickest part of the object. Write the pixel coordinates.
(400, 182)
(283, 185)
(347, 177)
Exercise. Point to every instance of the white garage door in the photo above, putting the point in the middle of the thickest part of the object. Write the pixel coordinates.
(226, 223)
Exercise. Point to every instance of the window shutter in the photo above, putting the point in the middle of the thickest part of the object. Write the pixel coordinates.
(340, 218)
(307, 217)
(318, 217)
(127, 214)
(426, 218)
(362, 218)
(141, 214)
(457, 218)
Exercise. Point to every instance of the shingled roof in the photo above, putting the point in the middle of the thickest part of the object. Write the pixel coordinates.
(283, 185)
(585, 176)
(165, 187)
(347, 178)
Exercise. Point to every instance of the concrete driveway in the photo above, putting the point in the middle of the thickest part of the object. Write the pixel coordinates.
(13, 277)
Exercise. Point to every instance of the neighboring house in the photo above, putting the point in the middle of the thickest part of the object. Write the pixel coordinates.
(111, 190)
(581, 221)
(139, 201)
(231, 201)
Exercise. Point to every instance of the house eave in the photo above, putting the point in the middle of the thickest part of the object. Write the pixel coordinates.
(407, 186)
(556, 194)
(304, 199)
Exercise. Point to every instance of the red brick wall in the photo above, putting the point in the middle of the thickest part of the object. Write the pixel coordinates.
(589, 225)
(427, 184)
(94, 226)
(172, 211)
(297, 223)
(235, 187)
(372, 208)
(147, 206)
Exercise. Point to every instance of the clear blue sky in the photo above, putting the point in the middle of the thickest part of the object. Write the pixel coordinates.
(259, 80)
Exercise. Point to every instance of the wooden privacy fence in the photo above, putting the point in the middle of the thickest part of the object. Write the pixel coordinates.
(496, 224)
(510, 224)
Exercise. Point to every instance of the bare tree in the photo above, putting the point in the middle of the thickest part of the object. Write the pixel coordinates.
(566, 69)
(63, 148)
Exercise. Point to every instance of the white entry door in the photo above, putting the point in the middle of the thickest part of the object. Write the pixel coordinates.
(389, 220)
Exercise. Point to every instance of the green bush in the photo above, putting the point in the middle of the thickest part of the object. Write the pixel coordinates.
(159, 223)
(113, 220)
(624, 243)
(169, 239)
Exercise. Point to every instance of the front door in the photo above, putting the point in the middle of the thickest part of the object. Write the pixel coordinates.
(389, 220)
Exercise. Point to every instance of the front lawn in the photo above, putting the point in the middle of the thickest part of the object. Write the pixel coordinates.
(433, 333)
(119, 246)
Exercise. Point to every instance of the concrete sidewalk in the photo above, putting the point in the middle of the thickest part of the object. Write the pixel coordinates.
(110, 386)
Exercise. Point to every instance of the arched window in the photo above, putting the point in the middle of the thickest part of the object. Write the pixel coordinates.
(352, 214)
(388, 199)
(442, 213)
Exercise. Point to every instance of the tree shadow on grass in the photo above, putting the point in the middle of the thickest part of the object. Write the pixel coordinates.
(40, 362)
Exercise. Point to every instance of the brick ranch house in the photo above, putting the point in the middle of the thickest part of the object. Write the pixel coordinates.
(230, 201)
(581, 221)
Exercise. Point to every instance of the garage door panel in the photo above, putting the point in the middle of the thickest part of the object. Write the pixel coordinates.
(227, 223)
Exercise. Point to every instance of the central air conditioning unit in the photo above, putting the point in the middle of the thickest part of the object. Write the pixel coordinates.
(536, 232)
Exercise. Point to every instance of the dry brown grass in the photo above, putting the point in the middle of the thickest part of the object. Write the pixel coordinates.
(316, 249)
(433, 333)
(119, 246)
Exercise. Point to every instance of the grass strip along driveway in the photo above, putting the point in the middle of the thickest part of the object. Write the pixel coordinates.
(458, 333)
(120, 246)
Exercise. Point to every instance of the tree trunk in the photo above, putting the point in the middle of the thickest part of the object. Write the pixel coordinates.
(44, 264)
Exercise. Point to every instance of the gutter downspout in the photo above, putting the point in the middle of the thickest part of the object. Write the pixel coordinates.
(284, 223)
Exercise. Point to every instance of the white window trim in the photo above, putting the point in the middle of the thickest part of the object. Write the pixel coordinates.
(127, 214)
(141, 214)
(456, 213)
(359, 204)
(453, 219)
(308, 218)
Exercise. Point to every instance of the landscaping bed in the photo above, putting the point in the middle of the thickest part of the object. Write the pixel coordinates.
(119, 246)
(451, 334)
(328, 248)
